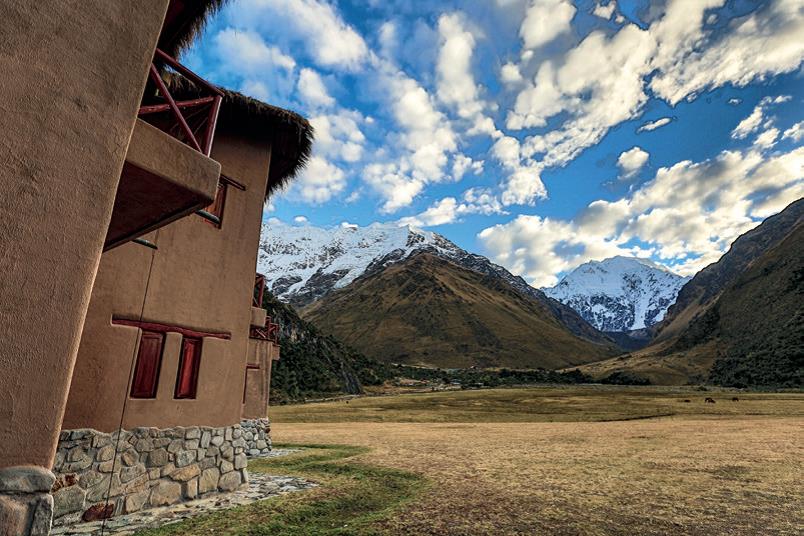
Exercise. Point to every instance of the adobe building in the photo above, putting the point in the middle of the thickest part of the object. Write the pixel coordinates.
(132, 201)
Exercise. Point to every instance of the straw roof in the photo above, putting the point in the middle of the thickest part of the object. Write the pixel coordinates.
(184, 22)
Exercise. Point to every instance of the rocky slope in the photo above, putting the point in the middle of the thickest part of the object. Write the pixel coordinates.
(304, 263)
(427, 310)
(739, 321)
(313, 364)
(619, 294)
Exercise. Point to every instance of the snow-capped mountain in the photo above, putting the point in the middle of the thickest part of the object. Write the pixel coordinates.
(620, 293)
(303, 263)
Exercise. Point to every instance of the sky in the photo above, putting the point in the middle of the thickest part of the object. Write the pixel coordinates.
(540, 133)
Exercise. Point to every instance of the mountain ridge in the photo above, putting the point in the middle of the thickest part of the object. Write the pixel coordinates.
(304, 264)
(427, 310)
(619, 294)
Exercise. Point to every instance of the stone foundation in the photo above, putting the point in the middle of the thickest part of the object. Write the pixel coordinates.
(147, 467)
(257, 434)
(26, 506)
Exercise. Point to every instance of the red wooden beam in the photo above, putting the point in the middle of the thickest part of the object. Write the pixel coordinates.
(209, 133)
(187, 72)
(176, 112)
(156, 108)
(165, 328)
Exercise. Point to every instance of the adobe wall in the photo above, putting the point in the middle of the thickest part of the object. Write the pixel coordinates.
(201, 278)
(73, 76)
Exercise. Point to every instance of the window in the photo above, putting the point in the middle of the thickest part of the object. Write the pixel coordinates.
(189, 361)
(214, 212)
(149, 360)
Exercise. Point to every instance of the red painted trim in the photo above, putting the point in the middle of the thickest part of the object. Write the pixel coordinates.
(165, 328)
(249, 366)
(230, 180)
(156, 108)
(176, 112)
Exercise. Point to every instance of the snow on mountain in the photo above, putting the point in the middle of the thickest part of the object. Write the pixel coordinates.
(620, 293)
(301, 264)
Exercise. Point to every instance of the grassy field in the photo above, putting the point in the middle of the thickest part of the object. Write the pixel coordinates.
(566, 461)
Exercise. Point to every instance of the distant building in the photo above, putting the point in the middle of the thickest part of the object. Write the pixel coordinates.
(133, 197)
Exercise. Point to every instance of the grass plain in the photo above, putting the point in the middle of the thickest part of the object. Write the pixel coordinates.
(545, 460)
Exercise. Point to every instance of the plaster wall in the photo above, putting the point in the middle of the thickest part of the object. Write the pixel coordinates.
(201, 278)
(73, 76)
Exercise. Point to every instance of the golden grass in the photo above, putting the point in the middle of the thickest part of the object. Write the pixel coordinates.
(727, 468)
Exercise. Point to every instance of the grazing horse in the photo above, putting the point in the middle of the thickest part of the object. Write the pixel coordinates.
(709, 400)
(686, 400)
(735, 399)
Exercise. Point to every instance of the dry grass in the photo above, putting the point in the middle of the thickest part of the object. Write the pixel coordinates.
(727, 468)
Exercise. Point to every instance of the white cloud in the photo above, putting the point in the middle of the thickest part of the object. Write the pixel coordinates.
(393, 182)
(246, 52)
(653, 125)
(300, 219)
(686, 216)
(338, 135)
(312, 89)
(767, 139)
(749, 124)
(524, 186)
(510, 74)
(795, 133)
(602, 81)
(329, 40)
(462, 163)
(319, 182)
(605, 12)
(544, 21)
(631, 161)
(449, 209)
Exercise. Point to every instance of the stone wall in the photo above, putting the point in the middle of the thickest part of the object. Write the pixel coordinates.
(256, 433)
(142, 468)
(26, 506)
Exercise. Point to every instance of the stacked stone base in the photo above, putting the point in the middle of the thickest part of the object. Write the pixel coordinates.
(26, 506)
(101, 475)
(257, 433)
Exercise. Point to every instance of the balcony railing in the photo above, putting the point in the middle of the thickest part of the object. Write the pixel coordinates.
(270, 332)
(190, 121)
(259, 290)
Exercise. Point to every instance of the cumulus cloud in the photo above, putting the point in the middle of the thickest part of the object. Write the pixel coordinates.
(687, 216)
(246, 52)
(758, 117)
(653, 125)
(338, 135)
(510, 74)
(313, 90)
(449, 209)
(604, 79)
(319, 182)
(631, 161)
(328, 39)
(544, 21)
(605, 11)
(300, 219)
(795, 133)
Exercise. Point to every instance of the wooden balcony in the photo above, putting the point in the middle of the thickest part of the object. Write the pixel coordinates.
(168, 172)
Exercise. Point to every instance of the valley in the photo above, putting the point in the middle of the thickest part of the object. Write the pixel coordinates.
(569, 460)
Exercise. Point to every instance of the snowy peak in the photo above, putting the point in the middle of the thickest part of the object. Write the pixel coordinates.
(620, 293)
(301, 264)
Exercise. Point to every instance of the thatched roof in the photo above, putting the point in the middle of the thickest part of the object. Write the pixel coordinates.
(184, 22)
(290, 134)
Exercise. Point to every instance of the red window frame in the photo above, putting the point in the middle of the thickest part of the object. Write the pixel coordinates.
(189, 364)
(145, 381)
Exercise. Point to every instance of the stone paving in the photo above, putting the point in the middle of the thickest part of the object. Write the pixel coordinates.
(260, 486)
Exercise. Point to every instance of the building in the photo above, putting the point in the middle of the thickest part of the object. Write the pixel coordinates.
(115, 149)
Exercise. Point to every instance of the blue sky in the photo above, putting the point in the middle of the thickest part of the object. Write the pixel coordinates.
(541, 133)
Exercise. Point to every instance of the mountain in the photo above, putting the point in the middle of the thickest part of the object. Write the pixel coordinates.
(619, 294)
(302, 264)
(427, 310)
(314, 365)
(739, 321)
